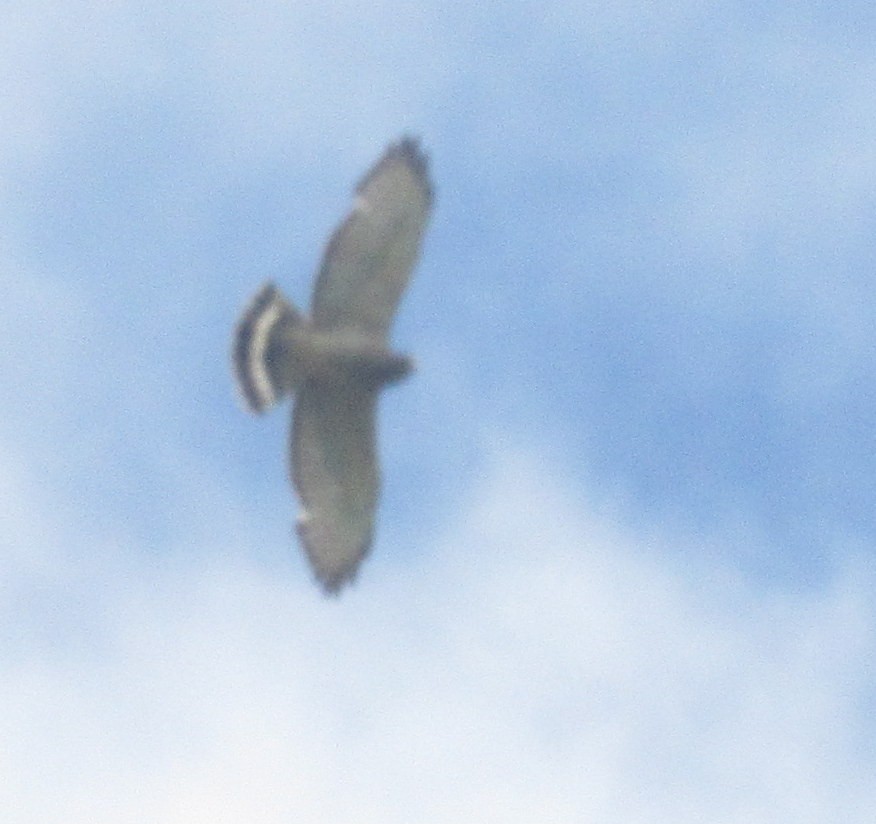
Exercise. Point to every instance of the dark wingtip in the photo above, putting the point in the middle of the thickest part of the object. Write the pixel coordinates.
(332, 582)
(406, 148)
(409, 148)
(331, 587)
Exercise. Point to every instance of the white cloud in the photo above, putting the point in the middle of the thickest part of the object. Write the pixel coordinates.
(537, 662)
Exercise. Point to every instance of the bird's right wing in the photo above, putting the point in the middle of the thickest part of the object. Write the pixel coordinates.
(334, 469)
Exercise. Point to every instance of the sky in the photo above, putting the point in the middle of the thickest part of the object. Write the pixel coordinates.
(624, 562)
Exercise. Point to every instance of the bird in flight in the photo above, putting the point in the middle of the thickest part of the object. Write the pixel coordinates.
(336, 361)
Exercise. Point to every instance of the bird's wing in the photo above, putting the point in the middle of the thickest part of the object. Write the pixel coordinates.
(369, 259)
(334, 469)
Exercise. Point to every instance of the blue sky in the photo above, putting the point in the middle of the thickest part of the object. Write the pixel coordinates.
(624, 567)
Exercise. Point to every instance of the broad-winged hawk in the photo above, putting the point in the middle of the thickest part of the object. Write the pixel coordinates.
(337, 360)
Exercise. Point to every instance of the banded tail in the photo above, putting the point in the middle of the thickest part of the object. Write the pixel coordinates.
(262, 364)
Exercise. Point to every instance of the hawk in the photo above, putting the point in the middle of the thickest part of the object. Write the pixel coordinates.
(336, 361)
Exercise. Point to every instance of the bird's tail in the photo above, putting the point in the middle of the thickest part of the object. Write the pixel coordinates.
(262, 366)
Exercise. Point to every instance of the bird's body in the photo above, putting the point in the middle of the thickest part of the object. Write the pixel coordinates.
(336, 361)
(339, 358)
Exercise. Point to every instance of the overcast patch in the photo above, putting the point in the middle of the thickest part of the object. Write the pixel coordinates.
(537, 659)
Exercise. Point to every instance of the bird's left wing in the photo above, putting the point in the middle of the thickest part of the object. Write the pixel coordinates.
(334, 469)
(369, 259)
